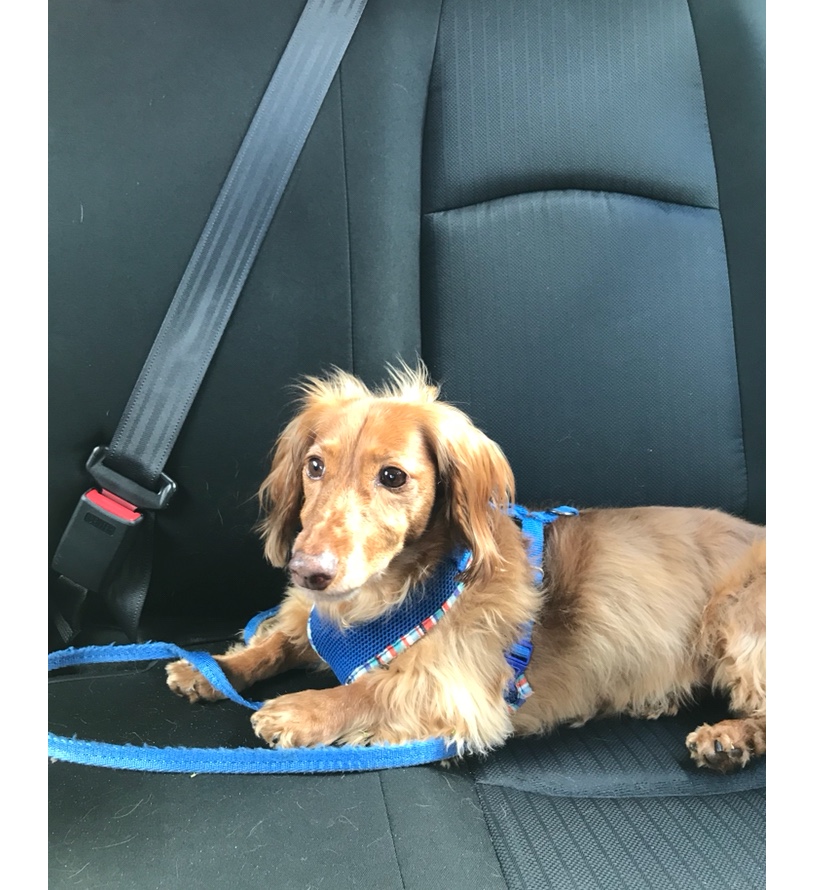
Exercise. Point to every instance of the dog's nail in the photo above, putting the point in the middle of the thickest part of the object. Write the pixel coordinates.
(718, 746)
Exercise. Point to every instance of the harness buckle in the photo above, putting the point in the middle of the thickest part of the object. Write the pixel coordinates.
(518, 655)
(564, 510)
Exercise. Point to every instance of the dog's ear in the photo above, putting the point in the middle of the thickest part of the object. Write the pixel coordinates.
(477, 483)
(281, 494)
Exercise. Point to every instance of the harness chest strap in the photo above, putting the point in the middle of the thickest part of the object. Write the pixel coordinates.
(351, 652)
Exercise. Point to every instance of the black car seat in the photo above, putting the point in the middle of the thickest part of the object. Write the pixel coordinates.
(560, 206)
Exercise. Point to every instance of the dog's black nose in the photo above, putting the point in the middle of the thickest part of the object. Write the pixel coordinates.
(315, 571)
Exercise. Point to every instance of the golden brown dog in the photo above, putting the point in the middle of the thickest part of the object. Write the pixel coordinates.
(639, 608)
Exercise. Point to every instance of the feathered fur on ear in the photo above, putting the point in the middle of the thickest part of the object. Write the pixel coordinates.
(477, 481)
(281, 494)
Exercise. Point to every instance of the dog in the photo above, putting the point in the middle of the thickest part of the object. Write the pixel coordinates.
(370, 492)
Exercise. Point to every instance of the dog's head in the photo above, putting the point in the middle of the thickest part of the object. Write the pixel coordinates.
(359, 476)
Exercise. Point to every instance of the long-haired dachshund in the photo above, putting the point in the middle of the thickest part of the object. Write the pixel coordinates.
(370, 494)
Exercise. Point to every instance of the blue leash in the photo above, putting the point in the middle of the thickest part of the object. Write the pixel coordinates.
(320, 759)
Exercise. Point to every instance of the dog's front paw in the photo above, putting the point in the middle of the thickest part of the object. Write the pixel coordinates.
(184, 680)
(301, 719)
(720, 747)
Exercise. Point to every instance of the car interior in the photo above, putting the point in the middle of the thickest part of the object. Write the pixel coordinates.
(559, 207)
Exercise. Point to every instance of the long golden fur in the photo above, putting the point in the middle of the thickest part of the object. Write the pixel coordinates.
(640, 607)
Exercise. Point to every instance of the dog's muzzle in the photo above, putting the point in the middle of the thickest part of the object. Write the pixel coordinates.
(314, 571)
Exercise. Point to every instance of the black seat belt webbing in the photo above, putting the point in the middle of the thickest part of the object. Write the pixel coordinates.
(130, 469)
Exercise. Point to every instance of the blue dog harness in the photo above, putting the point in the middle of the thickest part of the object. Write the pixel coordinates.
(351, 652)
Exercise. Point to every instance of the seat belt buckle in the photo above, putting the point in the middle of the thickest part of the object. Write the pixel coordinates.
(103, 526)
(97, 537)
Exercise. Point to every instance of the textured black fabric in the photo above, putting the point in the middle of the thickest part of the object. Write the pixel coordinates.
(617, 757)
(731, 44)
(575, 299)
(439, 831)
(383, 90)
(141, 830)
(546, 95)
(590, 335)
(138, 831)
(651, 843)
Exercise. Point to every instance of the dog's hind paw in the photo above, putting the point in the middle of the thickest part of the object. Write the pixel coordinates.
(726, 746)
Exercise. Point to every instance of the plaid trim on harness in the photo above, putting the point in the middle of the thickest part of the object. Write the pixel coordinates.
(406, 640)
(521, 691)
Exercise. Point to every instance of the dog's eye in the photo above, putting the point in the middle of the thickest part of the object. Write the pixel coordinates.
(392, 477)
(315, 468)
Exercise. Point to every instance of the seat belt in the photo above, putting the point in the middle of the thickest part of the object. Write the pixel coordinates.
(107, 545)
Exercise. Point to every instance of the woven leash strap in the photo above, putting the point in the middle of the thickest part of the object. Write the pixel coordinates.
(322, 759)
